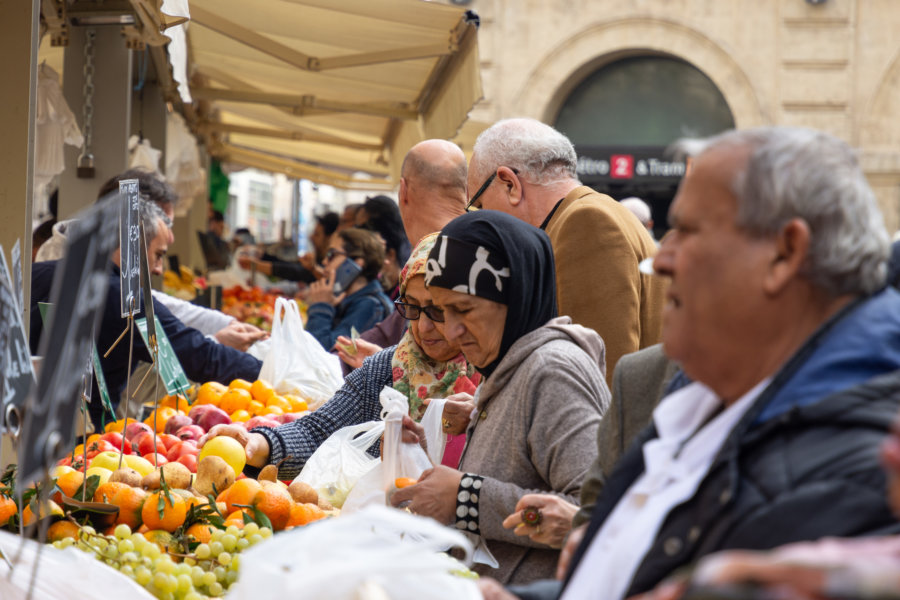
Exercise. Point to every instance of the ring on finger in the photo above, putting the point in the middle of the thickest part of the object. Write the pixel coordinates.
(446, 423)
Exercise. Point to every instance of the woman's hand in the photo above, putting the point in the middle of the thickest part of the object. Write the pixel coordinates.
(556, 519)
(457, 412)
(256, 447)
(491, 589)
(433, 496)
(364, 349)
(323, 291)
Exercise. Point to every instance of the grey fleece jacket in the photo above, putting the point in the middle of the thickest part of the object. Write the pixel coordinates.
(535, 430)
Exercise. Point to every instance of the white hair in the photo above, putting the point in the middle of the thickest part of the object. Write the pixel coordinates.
(638, 208)
(151, 215)
(541, 154)
(807, 174)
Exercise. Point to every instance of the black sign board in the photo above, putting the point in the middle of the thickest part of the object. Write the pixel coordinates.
(637, 164)
(129, 242)
(79, 295)
(15, 359)
(148, 293)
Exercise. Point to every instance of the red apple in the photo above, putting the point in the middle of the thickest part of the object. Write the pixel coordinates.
(114, 438)
(98, 446)
(159, 457)
(189, 460)
(168, 440)
(190, 432)
(132, 429)
(144, 443)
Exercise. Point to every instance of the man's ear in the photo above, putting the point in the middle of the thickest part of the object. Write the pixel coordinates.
(791, 251)
(508, 178)
(401, 194)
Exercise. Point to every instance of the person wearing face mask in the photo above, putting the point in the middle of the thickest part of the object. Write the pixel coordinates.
(423, 365)
(542, 398)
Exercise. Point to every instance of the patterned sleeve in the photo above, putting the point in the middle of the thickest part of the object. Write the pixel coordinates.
(356, 402)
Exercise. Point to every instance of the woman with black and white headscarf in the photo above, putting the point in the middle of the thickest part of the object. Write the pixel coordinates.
(536, 413)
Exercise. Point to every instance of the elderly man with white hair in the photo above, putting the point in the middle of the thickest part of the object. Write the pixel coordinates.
(527, 169)
(778, 312)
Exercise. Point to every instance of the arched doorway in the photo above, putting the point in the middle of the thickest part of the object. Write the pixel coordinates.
(622, 117)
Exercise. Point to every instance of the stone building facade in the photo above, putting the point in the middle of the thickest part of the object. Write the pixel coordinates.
(832, 65)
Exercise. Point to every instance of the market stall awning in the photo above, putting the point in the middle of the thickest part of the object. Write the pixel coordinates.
(335, 91)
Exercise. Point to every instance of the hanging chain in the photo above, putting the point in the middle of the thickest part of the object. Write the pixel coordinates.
(86, 160)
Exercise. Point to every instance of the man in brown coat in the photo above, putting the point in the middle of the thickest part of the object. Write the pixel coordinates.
(527, 169)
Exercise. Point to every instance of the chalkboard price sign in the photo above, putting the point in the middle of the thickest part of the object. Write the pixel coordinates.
(167, 364)
(15, 358)
(79, 292)
(129, 242)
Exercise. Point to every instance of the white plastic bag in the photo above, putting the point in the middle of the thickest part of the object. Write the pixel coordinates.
(397, 459)
(296, 363)
(68, 574)
(341, 460)
(378, 551)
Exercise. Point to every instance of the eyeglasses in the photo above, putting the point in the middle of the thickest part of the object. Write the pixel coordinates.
(412, 312)
(332, 252)
(484, 186)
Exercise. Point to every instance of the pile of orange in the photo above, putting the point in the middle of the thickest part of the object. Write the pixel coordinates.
(270, 498)
(168, 518)
(243, 400)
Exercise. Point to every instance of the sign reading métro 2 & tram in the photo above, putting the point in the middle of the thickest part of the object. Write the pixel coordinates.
(646, 164)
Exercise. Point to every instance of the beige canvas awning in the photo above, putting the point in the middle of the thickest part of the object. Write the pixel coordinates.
(335, 91)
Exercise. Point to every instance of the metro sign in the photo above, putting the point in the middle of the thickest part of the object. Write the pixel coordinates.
(622, 166)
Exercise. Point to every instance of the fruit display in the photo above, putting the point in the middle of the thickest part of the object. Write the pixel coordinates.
(183, 284)
(144, 498)
(253, 305)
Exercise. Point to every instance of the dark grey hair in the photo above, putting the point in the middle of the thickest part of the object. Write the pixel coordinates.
(538, 152)
(811, 175)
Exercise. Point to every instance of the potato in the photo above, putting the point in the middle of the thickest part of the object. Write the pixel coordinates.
(176, 474)
(303, 493)
(214, 475)
(127, 476)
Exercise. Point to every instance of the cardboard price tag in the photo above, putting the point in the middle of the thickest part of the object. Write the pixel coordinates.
(79, 295)
(15, 358)
(130, 244)
(167, 364)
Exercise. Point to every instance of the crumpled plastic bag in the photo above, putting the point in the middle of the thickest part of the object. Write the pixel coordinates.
(296, 363)
(397, 459)
(375, 553)
(68, 574)
(341, 460)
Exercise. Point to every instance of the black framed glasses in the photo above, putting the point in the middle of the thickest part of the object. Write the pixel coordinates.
(484, 186)
(412, 312)
(332, 252)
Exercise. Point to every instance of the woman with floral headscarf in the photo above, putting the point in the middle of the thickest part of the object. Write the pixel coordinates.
(423, 365)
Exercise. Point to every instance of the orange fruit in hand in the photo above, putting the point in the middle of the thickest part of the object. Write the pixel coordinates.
(234, 400)
(279, 402)
(170, 517)
(210, 392)
(262, 390)
(62, 529)
(402, 482)
(240, 384)
(275, 502)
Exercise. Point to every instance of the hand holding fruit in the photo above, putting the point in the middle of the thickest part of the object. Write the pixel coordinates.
(555, 522)
(355, 359)
(433, 496)
(256, 448)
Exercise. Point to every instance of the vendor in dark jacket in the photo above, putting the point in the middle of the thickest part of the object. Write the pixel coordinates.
(202, 358)
(361, 303)
(777, 312)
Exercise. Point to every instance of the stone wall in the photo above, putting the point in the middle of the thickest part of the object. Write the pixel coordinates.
(833, 66)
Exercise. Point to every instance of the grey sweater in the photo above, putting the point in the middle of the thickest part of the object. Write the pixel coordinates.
(535, 431)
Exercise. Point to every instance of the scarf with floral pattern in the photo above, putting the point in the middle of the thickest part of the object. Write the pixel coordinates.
(415, 374)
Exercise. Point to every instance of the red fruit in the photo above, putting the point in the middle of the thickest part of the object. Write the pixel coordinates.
(144, 444)
(190, 432)
(134, 428)
(189, 460)
(98, 446)
(153, 461)
(65, 462)
(168, 440)
(114, 438)
(174, 451)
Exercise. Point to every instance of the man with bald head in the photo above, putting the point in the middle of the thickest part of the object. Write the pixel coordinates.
(432, 193)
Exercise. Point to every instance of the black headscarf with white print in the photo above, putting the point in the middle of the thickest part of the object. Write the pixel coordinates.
(493, 255)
